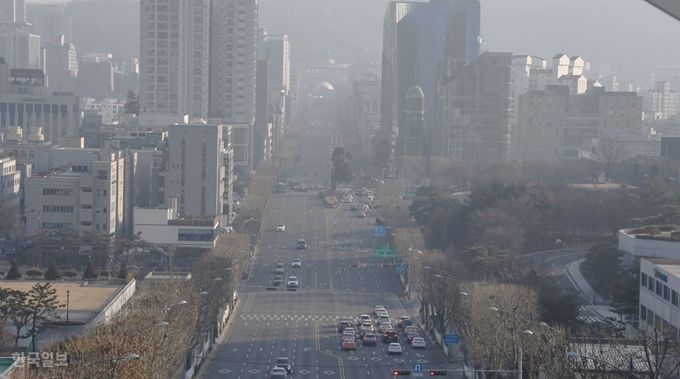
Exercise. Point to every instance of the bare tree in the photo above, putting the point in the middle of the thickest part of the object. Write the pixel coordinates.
(494, 227)
(611, 151)
(492, 321)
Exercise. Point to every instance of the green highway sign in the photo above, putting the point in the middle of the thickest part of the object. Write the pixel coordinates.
(383, 251)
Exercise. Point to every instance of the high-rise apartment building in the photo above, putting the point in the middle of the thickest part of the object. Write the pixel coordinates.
(60, 65)
(194, 172)
(233, 55)
(199, 58)
(662, 101)
(416, 36)
(474, 109)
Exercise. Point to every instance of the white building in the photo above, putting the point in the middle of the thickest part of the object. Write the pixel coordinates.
(633, 247)
(24, 103)
(194, 173)
(659, 288)
(164, 227)
(110, 109)
(93, 192)
(10, 179)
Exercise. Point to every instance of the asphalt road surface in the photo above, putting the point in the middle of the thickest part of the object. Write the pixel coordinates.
(301, 325)
(316, 146)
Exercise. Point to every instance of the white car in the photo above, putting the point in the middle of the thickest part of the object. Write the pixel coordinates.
(296, 263)
(292, 281)
(377, 308)
(395, 348)
(279, 268)
(365, 318)
(280, 227)
(418, 343)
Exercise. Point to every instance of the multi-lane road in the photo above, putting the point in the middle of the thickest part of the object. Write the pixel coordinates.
(301, 325)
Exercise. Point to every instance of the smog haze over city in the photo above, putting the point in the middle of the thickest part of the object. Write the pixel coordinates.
(339, 189)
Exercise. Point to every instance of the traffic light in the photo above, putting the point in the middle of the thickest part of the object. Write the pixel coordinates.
(438, 373)
(402, 372)
(382, 265)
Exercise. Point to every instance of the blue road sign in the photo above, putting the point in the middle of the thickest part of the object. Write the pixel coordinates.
(451, 338)
(380, 231)
(400, 269)
(417, 367)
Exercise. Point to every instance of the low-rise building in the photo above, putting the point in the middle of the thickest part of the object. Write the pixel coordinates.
(659, 288)
(637, 243)
(92, 194)
(164, 227)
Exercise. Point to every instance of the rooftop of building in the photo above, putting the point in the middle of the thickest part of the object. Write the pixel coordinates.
(195, 221)
(86, 301)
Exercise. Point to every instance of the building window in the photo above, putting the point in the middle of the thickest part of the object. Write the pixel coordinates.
(674, 298)
(195, 234)
(57, 192)
(643, 280)
(86, 206)
(57, 225)
(643, 312)
(666, 293)
(58, 208)
(659, 288)
(89, 189)
(86, 223)
(650, 284)
(102, 174)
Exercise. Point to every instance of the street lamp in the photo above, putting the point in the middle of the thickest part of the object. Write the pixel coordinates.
(436, 269)
(446, 278)
(177, 304)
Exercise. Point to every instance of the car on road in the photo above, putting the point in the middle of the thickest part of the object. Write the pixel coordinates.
(370, 339)
(401, 319)
(418, 343)
(365, 317)
(349, 333)
(407, 322)
(293, 282)
(366, 328)
(281, 227)
(394, 348)
(301, 244)
(353, 208)
(377, 308)
(390, 336)
(279, 268)
(411, 336)
(278, 373)
(385, 326)
(296, 263)
(349, 344)
(284, 363)
(278, 280)
(361, 215)
(410, 329)
(342, 325)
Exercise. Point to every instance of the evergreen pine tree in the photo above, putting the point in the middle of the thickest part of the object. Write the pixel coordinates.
(131, 105)
(52, 272)
(90, 272)
(14, 271)
(122, 274)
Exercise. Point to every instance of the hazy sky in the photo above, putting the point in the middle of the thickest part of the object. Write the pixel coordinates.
(629, 36)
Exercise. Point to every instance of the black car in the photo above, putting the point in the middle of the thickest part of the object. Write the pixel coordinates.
(390, 336)
(285, 364)
(301, 244)
(342, 325)
(278, 280)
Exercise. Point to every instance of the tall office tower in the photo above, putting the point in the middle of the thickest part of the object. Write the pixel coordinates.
(474, 109)
(49, 21)
(413, 133)
(416, 36)
(195, 169)
(60, 65)
(275, 49)
(12, 12)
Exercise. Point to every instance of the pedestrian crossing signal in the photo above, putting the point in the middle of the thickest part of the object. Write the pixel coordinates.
(402, 372)
(437, 373)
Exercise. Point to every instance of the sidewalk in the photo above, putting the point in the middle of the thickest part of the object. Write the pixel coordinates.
(599, 305)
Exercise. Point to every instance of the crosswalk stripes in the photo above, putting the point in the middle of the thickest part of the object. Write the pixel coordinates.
(590, 319)
(255, 317)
